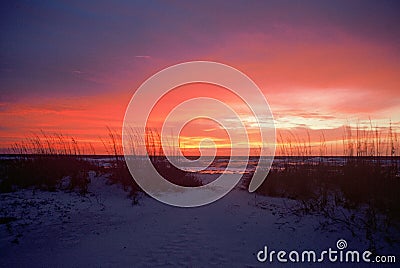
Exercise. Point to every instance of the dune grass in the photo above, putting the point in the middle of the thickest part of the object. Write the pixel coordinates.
(368, 174)
(46, 162)
(358, 190)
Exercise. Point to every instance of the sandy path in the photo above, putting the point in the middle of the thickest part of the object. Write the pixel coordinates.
(105, 229)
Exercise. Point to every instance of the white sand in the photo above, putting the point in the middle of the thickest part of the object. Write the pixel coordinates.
(105, 229)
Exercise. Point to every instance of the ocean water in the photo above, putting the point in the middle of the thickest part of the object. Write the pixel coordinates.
(225, 164)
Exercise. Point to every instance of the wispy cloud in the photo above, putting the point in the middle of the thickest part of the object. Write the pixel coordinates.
(143, 56)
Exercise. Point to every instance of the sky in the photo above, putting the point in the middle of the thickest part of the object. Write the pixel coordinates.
(72, 67)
